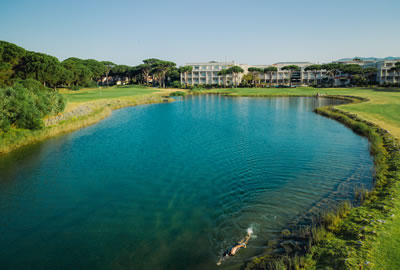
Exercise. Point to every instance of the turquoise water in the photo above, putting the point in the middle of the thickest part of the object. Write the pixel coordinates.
(171, 186)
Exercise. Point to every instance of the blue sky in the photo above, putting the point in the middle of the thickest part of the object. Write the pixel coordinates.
(248, 31)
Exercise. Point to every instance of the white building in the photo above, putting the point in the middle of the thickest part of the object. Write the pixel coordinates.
(207, 73)
(385, 72)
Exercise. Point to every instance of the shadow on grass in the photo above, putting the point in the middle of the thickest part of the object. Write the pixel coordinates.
(393, 90)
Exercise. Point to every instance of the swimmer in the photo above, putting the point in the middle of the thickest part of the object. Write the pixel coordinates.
(235, 248)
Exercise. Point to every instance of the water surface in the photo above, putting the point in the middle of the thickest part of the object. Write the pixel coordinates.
(171, 186)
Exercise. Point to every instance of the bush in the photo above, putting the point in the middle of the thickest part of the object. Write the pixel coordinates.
(90, 84)
(177, 84)
(178, 93)
(25, 104)
(74, 87)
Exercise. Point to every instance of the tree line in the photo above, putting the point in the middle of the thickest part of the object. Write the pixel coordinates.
(16, 63)
(357, 74)
(28, 82)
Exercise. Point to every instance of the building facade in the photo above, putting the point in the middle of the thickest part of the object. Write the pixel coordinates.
(386, 74)
(207, 73)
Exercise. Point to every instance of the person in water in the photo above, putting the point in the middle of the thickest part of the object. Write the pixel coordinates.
(235, 248)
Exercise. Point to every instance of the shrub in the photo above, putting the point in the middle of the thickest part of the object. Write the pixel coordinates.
(25, 104)
(178, 93)
(74, 87)
(177, 84)
(91, 84)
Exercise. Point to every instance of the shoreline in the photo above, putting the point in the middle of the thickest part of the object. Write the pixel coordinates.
(99, 110)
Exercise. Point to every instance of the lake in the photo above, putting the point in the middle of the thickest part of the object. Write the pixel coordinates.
(172, 186)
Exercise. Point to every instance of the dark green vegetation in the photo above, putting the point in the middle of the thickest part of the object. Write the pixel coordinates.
(25, 104)
(16, 63)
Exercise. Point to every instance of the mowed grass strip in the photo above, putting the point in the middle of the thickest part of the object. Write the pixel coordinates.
(87, 95)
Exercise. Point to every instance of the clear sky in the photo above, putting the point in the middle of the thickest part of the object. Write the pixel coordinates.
(247, 31)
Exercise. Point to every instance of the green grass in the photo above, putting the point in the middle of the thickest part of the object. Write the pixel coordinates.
(87, 95)
(385, 253)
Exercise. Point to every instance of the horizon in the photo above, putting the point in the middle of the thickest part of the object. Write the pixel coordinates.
(126, 32)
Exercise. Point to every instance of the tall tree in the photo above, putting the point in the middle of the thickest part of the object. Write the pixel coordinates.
(290, 69)
(108, 66)
(185, 70)
(39, 66)
(224, 73)
(270, 70)
(355, 72)
(235, 71)
(314, 69)
(96, 68)
(370, 75)
(81, 74)
(255, 73)
(10, 56)
(333, 69)
(160, 69)
(145, 70)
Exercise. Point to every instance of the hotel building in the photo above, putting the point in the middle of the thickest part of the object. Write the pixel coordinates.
(207, 73)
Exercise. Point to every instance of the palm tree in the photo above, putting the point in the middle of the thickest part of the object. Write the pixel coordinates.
(314, 69)
(291, 68)
(270, 70)
(223, 72)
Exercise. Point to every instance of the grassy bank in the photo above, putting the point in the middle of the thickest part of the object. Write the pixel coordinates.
(101, 105)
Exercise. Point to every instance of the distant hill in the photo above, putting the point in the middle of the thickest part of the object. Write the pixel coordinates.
(390, 58)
